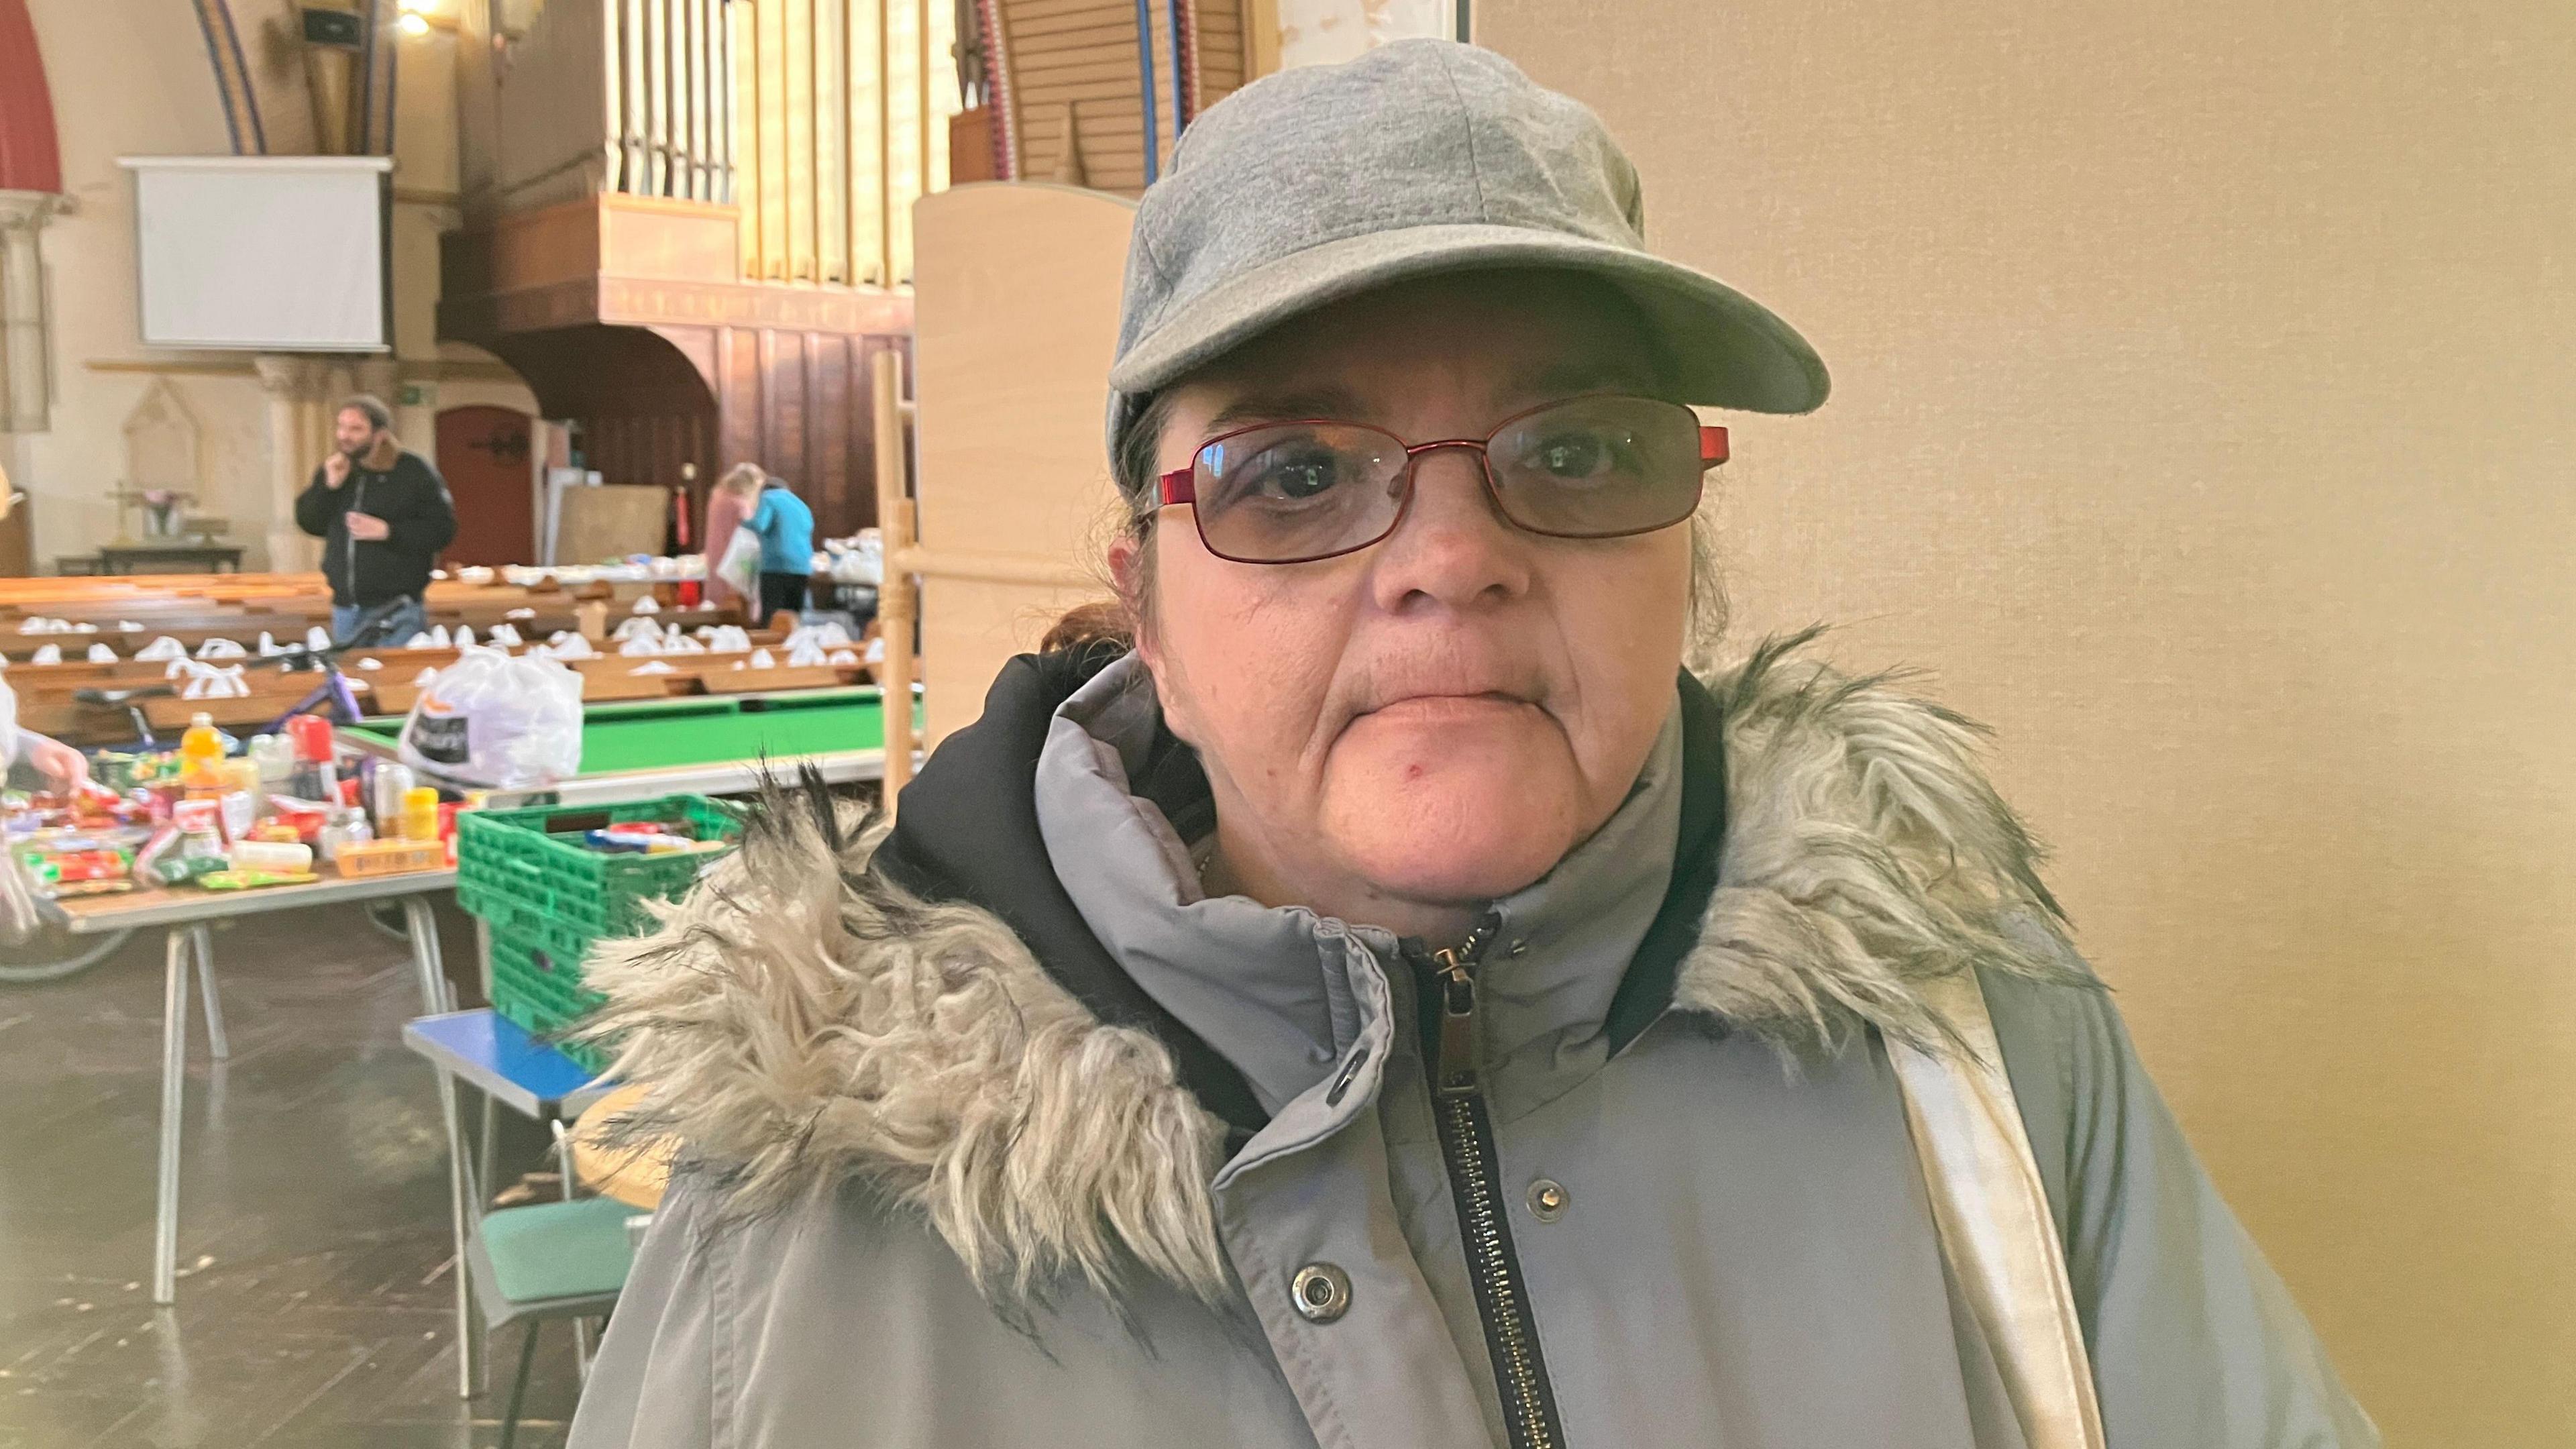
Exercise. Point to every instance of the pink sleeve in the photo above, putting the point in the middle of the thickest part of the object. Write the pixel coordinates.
(724, 515)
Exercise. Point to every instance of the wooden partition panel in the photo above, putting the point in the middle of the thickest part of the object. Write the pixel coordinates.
(1016, 317)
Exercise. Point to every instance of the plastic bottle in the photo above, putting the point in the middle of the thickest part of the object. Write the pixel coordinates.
(243, 775)
(314, 779)
(201, 758)
(420, 813)
(275, 755)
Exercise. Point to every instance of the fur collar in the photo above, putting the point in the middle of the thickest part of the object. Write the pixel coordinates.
(382, 454)
(801, 1021)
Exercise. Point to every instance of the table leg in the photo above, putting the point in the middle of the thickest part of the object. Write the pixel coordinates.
(462, 1199)
(486, 1153)
(174, 1081)
(426, 961)
(204, 941)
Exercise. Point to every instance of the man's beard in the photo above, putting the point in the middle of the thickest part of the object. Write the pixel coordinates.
(361, 450)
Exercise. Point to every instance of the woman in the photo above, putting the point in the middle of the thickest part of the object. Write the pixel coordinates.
(1394, 1004)
(771, 512)
(730, 502)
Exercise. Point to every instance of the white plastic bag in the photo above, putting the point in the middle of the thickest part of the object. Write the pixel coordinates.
(739, 569)
(490, 719)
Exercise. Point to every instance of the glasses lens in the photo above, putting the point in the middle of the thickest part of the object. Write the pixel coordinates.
(1298, 491)
(1599, 466)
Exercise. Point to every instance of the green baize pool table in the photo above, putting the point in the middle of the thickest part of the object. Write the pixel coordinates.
(702, 744)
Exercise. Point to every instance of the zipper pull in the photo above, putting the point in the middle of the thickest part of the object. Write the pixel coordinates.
(1454, 1066)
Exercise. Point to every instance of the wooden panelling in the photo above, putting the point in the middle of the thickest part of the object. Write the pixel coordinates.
(1084, 54)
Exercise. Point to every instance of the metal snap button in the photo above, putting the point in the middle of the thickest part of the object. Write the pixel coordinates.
(1350, 1072)
(1322, 1291)
(1546, 1200)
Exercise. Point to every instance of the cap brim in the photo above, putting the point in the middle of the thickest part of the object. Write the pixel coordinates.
(1728, 350)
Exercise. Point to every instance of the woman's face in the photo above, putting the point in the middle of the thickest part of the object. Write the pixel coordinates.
(1399, 734)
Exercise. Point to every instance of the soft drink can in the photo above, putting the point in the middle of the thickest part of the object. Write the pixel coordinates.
(393, 780)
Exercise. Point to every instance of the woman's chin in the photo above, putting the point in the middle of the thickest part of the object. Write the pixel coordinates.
(1469, 824)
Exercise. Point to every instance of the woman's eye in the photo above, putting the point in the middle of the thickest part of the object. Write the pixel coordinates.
(1293, 477)
(1575, 457)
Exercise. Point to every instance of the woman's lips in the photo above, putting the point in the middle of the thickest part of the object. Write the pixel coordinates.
(1439, 708)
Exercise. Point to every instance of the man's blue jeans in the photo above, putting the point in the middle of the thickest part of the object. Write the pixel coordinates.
(406, 621)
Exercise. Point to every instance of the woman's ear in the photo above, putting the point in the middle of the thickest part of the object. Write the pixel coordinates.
(1131, 563)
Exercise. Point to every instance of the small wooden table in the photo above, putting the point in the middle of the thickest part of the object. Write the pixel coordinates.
(153, 558)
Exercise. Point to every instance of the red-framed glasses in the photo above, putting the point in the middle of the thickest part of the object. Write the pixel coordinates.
(1588, 467)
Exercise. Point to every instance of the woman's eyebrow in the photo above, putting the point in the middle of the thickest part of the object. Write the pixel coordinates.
(1570, 379)
(1300, 403)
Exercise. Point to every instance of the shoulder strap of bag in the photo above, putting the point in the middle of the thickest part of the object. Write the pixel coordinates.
(1991, 1210)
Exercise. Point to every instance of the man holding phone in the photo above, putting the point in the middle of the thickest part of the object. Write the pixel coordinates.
(382, 513)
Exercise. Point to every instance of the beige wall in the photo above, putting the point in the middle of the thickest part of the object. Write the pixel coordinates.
(130, 78)
(2205, 415)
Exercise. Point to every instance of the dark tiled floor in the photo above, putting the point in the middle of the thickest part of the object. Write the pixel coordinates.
(316, 1306)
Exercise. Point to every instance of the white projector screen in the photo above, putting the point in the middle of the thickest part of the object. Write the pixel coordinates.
(273, 253)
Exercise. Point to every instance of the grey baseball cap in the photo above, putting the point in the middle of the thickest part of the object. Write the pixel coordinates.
(1421, 156)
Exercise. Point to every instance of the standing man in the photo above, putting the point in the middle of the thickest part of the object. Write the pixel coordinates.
(382, 513)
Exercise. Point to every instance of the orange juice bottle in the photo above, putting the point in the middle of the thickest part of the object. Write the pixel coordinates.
(420, 813)
(201, 758)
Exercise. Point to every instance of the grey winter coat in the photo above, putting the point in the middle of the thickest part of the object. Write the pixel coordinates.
(951, 1180)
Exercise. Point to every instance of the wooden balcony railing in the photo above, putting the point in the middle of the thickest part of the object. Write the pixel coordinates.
(820, 120)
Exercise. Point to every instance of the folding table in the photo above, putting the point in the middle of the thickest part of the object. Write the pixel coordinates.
(188, 915)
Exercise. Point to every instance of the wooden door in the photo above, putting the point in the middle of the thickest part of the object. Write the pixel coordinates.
(483, 452)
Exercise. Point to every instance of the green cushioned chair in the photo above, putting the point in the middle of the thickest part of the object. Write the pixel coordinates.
(548, 1260)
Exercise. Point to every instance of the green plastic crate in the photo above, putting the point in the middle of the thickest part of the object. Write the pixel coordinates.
(548, 900)
(511, 863)
(545, 995)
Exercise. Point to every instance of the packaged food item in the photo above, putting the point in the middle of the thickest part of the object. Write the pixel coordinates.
(390, 857)
(119, 770)
(240, 813)
(271, 856)
(77, 865)
(347, 828)
(201, 842)
(305, 817)
(244, 880)
(148, 857)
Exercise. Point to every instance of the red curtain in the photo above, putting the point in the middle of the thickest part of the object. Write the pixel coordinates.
(29, 160)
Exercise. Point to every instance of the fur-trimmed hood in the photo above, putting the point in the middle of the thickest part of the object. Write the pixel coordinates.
(803, 1020)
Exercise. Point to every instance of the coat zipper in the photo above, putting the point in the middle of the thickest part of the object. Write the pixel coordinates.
(1467, 1149)
(349, 541)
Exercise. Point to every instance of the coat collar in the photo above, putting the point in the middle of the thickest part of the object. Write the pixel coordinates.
(382, 454)
(1271, 988)
(832, 1004)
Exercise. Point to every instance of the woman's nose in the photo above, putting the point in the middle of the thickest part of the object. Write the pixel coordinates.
(1452, 546)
